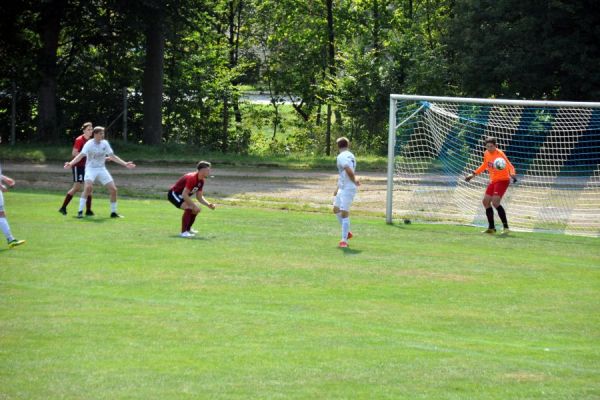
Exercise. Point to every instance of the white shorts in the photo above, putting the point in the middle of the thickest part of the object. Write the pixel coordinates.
(344, 198)
(1, 201)
(102, 174)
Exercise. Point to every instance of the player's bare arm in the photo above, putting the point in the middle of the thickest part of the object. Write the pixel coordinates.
(9, 181)
(74, 161)
(118, 160)
(351, 175)
(202, 200)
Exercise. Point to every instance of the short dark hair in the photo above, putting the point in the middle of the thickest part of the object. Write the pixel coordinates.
(202, 165)
(490, 139)
(85, 125)
(342, 142)
(98, 129)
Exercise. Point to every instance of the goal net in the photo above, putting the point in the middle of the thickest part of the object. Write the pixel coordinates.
(434, 142)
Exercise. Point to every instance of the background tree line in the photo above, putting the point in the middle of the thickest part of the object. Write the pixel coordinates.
(183, 63)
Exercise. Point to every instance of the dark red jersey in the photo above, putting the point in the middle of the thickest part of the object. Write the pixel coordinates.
(78, 145)
(189, 181)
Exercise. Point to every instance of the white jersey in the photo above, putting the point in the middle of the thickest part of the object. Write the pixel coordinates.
(345, 159)
(96, 153)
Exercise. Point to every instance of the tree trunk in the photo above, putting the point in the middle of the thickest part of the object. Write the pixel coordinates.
(49, 29)
(376, 29)
(13, 114)
(328, 131)
(235, 20)
(332, 71)
(152, 84)
(225, 125)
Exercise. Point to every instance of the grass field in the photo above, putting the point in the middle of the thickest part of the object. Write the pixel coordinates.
(182, 154)
(263, 305)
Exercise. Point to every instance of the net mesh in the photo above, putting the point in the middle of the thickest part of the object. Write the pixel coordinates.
(555, 150)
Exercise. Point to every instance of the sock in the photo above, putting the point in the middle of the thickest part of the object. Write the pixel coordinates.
(88, 203)
(489, 212)
(345, 228)
(502, 215)
(82, 201)
(68, 198)
(185, 220)
(339, 217)
(192, 220)
(113, 207)
(6, 229)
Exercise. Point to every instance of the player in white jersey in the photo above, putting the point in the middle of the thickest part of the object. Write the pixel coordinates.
(97, 152)
(4, 227)
(346, 188)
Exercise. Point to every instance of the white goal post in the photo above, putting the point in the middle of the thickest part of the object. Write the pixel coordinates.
(434, 142)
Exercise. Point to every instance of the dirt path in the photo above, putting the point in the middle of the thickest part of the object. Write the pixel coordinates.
(270, 185)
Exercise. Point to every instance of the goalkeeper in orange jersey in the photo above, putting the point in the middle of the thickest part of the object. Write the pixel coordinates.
(501, 174)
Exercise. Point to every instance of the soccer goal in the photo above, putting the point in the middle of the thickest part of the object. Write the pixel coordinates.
(434, 142)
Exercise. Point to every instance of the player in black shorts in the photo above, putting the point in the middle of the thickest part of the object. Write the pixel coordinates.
(180, 196)
(79, 171)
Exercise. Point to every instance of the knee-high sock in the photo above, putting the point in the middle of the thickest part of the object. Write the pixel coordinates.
(192, 220)
(82, 201)
(68, 198)
(6, 229)
(345, 228)
(185, 220)
(88, 203)
(502, 215)
(339, 217)
(489, 213)
(113, 206)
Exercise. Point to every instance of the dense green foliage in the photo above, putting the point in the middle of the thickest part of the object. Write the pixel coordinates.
(184, 62)
(263, 305)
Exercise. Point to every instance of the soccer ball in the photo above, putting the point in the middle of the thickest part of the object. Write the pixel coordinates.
(499, 163)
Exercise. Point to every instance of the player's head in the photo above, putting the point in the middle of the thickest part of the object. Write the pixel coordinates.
(202, 165)
(342, 142)
(490, 143)
(203, 168)
(87, 129)
(98, 132)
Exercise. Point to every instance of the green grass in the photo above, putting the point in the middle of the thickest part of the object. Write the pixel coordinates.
(263, 305)
(173, 153)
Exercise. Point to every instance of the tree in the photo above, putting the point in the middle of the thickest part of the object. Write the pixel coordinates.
(530, 49)
(152, 85)
(51, 13)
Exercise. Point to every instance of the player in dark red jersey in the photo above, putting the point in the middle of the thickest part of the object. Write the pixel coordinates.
(79, 171)
(180, 196)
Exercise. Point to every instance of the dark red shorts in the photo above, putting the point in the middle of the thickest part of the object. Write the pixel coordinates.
(497, 188)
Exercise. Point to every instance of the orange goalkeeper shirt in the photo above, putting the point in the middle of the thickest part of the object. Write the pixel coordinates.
(496, 174)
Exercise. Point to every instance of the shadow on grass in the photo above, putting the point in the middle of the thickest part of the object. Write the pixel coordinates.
(94, 219)
(504, 236)
(349, 252)
(192, 238)
(536, 236)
